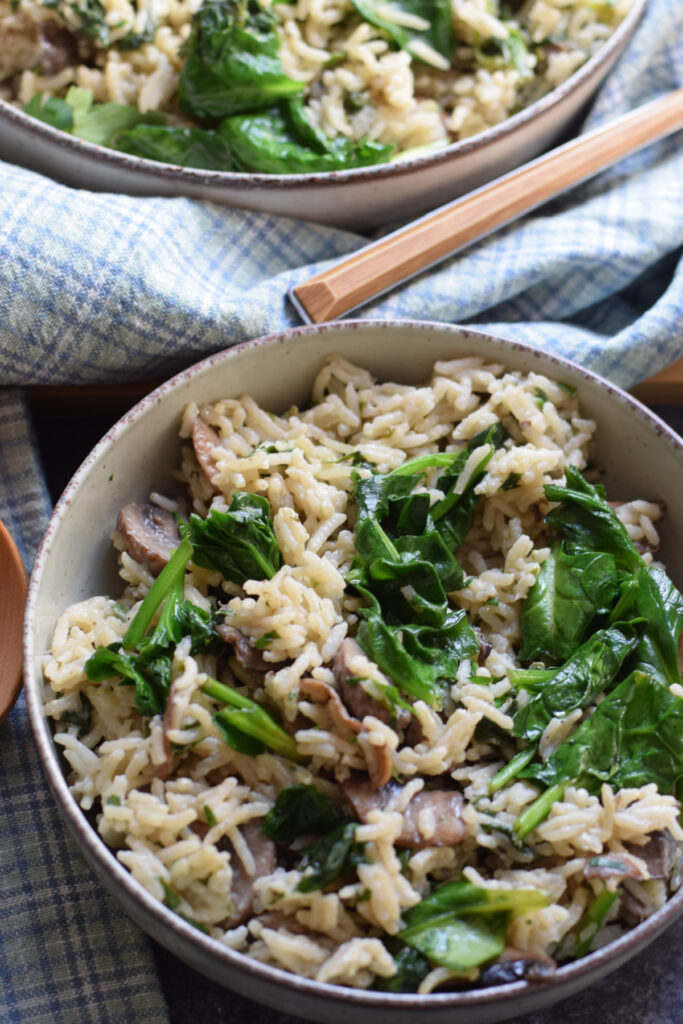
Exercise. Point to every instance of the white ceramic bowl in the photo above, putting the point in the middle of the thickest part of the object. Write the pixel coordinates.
(360, 199)
(639, 453)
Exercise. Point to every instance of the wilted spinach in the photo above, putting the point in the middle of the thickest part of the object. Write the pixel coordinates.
(462, 925)
(275, 141)
(569, 593)
(436, 31)
(300, 810)
(239, 543)
(232, 60)
(185, 147)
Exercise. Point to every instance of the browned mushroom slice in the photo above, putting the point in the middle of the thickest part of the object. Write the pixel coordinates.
(242, 892)
(169, 722)
(247, 655)
(359, 702)
(445, 805)
(613, 865)
(658, 853)
(518, 965)
(151, 534)
(58, 47)
(484, 646)
(323, 693)
(204, 440)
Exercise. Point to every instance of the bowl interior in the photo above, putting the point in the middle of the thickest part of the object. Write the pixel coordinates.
(640, 456)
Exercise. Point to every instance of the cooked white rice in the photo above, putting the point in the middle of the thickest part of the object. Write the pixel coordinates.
(160, 826)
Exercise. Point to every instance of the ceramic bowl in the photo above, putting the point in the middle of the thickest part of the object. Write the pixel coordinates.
(640, 456)
(360, 199)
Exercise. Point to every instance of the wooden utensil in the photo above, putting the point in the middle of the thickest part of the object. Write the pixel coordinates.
(12, 601)
(401, 255)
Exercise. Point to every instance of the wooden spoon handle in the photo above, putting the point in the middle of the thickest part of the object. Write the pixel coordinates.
(380, 266)
(12, 601)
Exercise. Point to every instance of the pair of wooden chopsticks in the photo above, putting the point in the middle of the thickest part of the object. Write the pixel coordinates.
(382, 265)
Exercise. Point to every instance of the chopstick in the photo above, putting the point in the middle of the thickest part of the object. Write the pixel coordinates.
(380, 266)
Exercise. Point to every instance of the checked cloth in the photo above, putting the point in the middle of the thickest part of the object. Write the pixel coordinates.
(103, 288)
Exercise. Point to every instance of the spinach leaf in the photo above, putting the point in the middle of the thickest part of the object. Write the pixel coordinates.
(588, 522)
(462, 925)
(269, 141)
(299, 810)
(443, 647)
(51, 110)
(658, 601)
(384, 647)
(233, 60)
(511, 52)
(151, 677)
(593, 920)
(633, 738)
(93, 122)
(453, 515)
(434, 33)
(333, 856)
(185, 147)
(411, 968)
(239, 543)
(591, 669)
(246, 718)
(569, 592)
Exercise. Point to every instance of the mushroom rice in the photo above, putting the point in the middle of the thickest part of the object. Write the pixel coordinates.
(332, 721)
(274, 87)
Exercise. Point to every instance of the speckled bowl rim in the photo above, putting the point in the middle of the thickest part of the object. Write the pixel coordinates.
(97, 853)
(284, 182)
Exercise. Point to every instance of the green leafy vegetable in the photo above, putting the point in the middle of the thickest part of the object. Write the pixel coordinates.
(247, 727)
(272, 141)
(589, 523)
(300, 810)
(461, 926)
(658, 602)
(453, 515)
(401, 19)
(185, 147)
(511, 52)
(570, 591)
(593, 920)
(51, 110)
(411, 968)
(333, 856)
(239, 543)
(233, 60)
(591, 669)
(633, 738)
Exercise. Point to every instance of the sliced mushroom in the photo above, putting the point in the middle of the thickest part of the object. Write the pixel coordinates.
(151, 534)
(485, 647)
(57, 46)
(204, 440)
(659, 853)
(242, 892)
(359, 702)
(613, 865)
(169, 722)
(247, 655)
(323, 693)
(518, 965)
(445, 805)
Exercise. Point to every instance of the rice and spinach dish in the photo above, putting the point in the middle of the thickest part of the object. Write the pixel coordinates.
(289, 87)
(391, 697)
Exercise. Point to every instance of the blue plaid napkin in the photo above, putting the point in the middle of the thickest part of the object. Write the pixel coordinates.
(97, 288)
